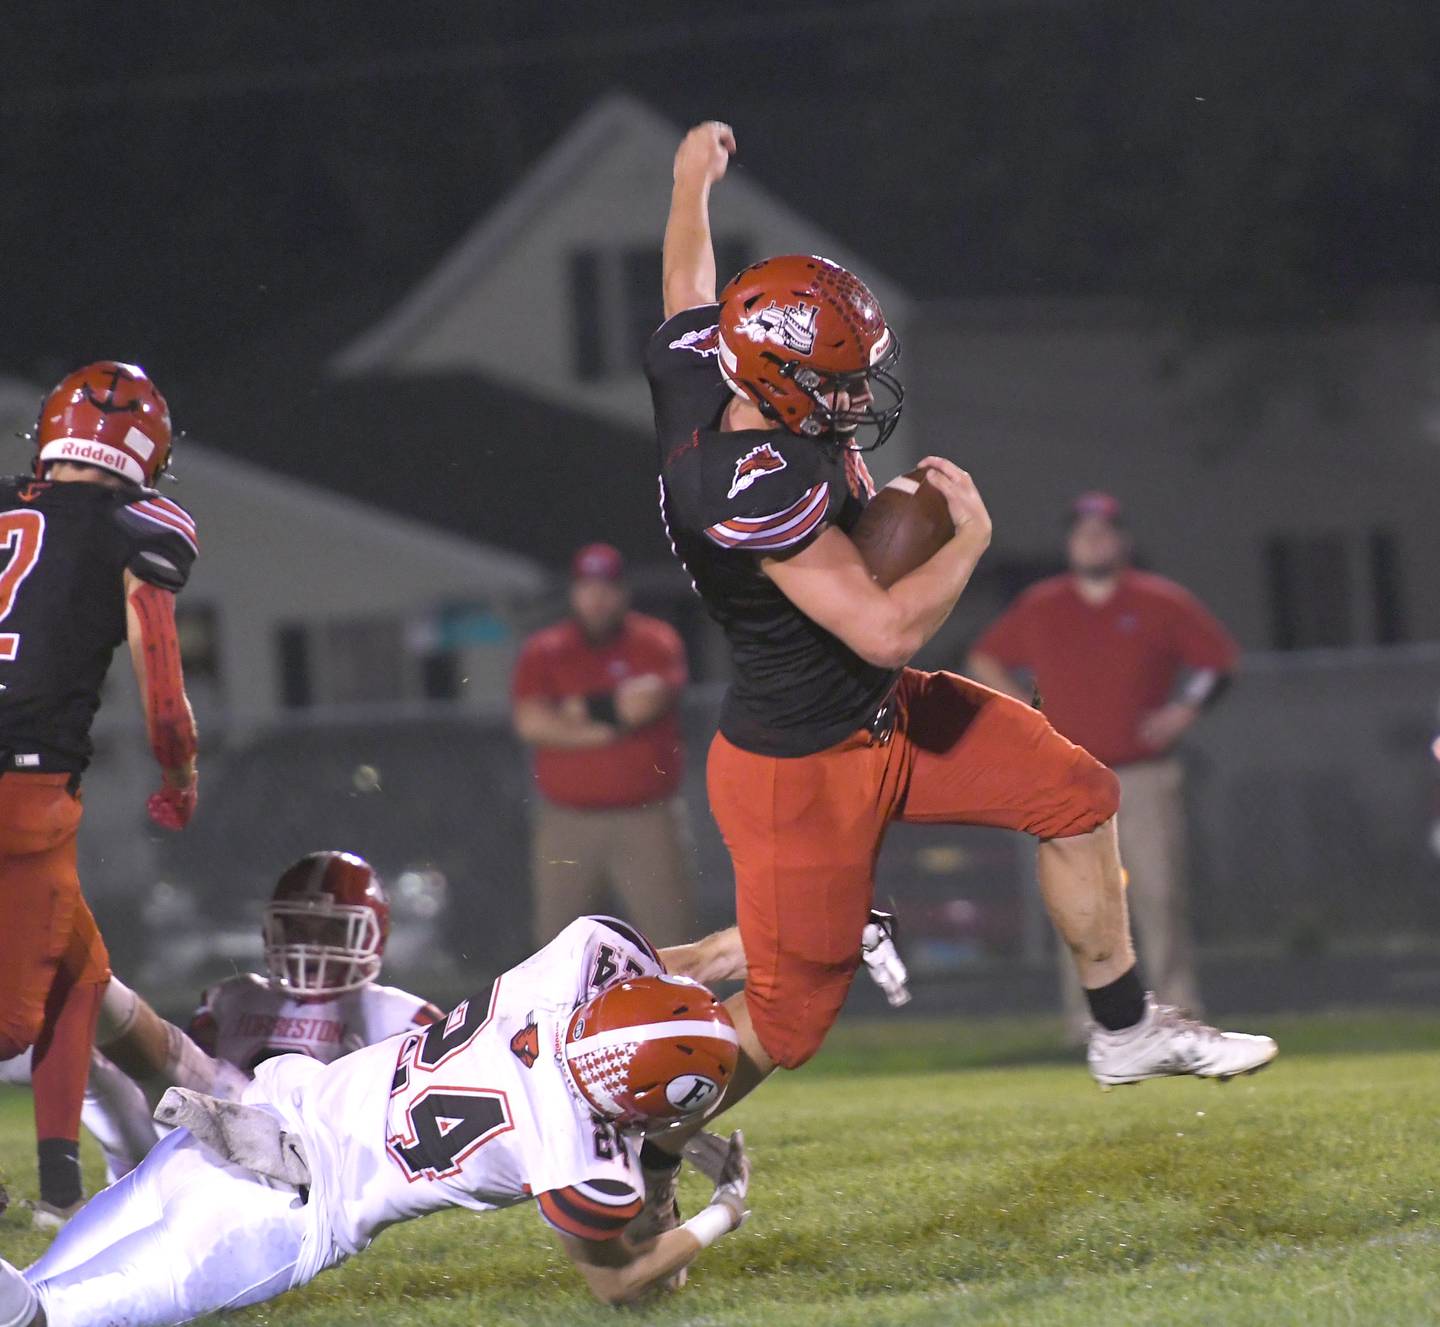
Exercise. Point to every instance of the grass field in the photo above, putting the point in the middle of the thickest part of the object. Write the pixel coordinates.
(925, 1172)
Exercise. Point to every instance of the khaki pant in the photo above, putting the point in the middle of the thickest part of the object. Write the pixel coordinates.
(642, 854)
(1152, 847)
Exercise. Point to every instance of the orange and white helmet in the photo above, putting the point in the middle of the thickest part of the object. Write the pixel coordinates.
(798, 331)
(650, 1050)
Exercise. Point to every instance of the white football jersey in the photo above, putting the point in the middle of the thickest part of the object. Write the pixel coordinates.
(249, 1018)
(474, 1111)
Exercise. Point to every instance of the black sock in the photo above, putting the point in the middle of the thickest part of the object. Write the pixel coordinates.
(59, 1171)
(1119, 1005)
(657, 1158)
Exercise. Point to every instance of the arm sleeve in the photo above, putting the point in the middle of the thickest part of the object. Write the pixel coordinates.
(1007, 639)
(161, 539)
(597, 1209)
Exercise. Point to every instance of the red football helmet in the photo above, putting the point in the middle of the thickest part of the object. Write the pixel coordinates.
(326, 925)
(106, 414)
(650, 1050)
(797, 330)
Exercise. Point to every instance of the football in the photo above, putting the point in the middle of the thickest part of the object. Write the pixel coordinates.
(905, 524)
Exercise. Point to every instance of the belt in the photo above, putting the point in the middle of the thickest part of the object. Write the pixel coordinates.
(10, 765)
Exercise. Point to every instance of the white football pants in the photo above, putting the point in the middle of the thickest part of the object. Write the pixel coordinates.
(184, 1234)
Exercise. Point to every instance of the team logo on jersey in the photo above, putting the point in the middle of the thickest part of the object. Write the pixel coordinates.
(703, 341)
(30, 492)
(691, 1092)
(755, 464)
(791, 326)
(526, 1045)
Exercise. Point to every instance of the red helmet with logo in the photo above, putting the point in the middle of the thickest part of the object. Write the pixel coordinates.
(106, 414)
(650, 1050)
(797, 330)
(325, 927)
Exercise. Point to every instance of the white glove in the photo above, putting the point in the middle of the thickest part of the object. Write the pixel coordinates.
(733, 1183)
(887, 968)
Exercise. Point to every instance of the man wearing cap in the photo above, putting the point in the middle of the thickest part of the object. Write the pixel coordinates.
(594, 696)
(1123, 662)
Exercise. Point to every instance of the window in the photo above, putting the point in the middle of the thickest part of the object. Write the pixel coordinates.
(1330, 590)
(616, 303)
(1309, 585)
(1385, 585)
(360, 661)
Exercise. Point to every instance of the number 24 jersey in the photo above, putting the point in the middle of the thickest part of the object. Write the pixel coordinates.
(474, 1111)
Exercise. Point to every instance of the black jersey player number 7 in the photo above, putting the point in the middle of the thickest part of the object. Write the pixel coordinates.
(22, 534)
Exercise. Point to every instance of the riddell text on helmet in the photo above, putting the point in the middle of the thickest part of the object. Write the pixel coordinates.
(72, 449)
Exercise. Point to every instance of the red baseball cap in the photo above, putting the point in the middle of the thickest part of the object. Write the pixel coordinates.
(1095, 503)
(601, 562)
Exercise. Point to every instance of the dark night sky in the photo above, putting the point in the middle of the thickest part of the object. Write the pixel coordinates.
(186, 183)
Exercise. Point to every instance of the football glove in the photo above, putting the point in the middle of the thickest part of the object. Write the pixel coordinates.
(887, 968)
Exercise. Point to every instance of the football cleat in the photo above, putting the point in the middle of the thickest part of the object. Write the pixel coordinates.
(49, 1218)
(1164, 1043)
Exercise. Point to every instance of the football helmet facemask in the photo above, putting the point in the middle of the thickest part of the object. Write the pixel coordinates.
(326, 925)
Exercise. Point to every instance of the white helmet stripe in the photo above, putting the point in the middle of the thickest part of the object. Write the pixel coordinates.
(643, 1032)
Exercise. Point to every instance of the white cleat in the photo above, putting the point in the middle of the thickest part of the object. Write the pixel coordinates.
(17, 1299)
(1165, 1043)
(49, 1218)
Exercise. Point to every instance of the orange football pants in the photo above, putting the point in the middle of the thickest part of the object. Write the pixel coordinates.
(47, 935)
(804, 832)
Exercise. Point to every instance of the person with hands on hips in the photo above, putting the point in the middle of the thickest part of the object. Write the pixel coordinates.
(1124, 662)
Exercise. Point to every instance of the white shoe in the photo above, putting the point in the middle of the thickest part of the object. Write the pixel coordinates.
(49, 1218)
(17, 1299)
(1165, 1043)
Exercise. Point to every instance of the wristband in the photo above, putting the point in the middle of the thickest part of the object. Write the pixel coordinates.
(601, 708)
(709, 1223)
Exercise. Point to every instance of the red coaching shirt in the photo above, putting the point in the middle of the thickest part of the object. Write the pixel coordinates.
(1102, 667)
(642, 766)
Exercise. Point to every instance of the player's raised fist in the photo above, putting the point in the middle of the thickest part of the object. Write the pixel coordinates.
(704, 153)
(967, 507)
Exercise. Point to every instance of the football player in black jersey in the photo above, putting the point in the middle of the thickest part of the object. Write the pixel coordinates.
(92, 556)
(765, 399)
